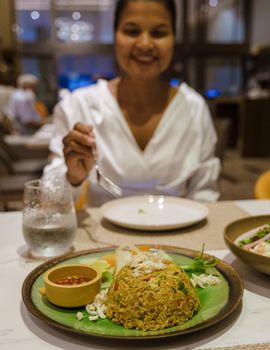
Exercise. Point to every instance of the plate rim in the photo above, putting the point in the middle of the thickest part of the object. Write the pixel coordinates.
(231, 275)
(151, 227)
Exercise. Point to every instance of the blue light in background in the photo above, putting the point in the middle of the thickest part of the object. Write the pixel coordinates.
(75, 81)
(175, 82)
(212, 93)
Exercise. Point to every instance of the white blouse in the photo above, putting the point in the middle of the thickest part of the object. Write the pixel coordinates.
(178, 160)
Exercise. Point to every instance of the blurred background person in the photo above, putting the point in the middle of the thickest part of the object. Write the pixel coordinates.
(149, 137)
(23, 109)
(5, 94)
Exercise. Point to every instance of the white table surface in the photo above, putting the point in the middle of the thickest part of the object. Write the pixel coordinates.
(41, 138)
(20, 330)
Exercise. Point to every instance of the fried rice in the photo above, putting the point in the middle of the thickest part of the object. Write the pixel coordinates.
(151, 293)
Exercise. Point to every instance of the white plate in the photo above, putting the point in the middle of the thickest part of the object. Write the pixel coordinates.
(154, 213)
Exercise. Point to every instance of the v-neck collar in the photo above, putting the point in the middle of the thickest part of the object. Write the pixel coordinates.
(124, 124)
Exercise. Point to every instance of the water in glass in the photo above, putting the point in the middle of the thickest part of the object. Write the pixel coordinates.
(49, 218)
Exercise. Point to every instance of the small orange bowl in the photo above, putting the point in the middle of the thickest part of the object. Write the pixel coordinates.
(72, 285)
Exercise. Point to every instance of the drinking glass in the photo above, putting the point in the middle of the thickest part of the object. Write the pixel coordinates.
(49, 218)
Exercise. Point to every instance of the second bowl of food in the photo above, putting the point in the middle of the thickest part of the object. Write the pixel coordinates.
(72, 285)
(249, 240)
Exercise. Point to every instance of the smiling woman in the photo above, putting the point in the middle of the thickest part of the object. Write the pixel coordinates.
(147, 136)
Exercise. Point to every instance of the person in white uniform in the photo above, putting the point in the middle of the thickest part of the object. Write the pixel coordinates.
(21, 106)
(149, 137)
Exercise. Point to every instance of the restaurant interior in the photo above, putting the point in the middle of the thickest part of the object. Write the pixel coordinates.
(148, 270)
(222, 51)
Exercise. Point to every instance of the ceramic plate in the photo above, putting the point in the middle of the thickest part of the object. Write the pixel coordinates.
(154, 213)
(217, 302)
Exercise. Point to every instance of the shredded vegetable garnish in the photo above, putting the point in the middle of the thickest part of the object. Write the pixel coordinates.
(204, 280)
(199, 264)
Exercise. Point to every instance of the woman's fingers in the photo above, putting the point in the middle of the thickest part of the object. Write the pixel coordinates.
(76, 161)
(87, 130)
(84, 128)
(76, 147)
(77, 156)
(79, 162)
(80, 138)
(78, 168)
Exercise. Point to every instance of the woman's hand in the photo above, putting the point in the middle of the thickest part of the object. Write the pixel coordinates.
(79, 144)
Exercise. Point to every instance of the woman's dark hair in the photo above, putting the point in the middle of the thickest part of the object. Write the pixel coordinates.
(121, 4)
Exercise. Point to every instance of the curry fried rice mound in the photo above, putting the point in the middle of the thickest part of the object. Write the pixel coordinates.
(151, 301)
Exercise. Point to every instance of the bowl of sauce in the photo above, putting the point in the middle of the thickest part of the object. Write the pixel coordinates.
(72, 285)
